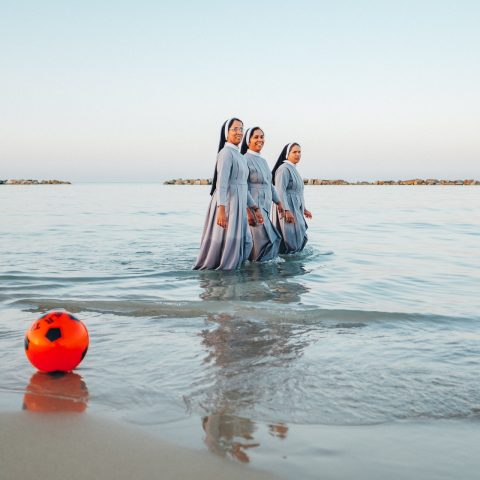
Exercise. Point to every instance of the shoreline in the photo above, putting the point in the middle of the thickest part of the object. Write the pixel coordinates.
(83, 446)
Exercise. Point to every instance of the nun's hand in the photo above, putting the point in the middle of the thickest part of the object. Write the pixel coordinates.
(222, 219)
(251, 219)
(307, 213)
(280, 209)
(258, 215)
(289, 218)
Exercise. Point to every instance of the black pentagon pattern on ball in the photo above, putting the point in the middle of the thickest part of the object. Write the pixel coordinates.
(84, 353)
(27, 343)
(53, 334)
(73, 317)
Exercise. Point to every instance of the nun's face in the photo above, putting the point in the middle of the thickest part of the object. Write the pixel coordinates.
(257, 139)
(235, 132)
(295, 154)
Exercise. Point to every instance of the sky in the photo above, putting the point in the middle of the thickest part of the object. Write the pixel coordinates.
(138, 90)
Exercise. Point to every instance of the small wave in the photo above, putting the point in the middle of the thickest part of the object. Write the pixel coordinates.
(310, 252)
(163, 214)
(238, 309)
(93, 278)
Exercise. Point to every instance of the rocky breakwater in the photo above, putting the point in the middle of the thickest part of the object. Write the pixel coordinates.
(181, 181)
(33, 182)
(319, 181)
(414, 181)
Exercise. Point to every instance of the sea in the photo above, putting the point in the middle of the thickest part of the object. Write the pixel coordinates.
(357, 358)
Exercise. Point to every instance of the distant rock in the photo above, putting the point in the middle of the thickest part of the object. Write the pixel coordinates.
(181, 181)
(415, 181)
(33, 182)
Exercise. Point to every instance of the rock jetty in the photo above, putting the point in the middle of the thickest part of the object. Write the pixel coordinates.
(33, 182)
(414, 181)
(181, 181)
(319, 181)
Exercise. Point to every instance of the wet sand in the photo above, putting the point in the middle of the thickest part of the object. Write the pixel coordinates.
(80, 447)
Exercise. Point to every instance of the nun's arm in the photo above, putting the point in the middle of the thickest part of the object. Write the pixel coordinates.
(251, 204)
(256, 210)
(275, 198)
(281, 181)
(250, 200)
(224, 169)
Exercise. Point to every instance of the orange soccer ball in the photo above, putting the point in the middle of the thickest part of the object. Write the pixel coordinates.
(56, 342)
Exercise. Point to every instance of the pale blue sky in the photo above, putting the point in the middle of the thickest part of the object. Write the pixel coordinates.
(124, 90)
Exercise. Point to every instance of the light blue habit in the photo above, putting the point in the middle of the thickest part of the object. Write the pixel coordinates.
(227, 249)
(289, 185)
(266, 238)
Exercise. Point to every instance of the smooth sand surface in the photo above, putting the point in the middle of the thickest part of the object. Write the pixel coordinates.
(78, 447)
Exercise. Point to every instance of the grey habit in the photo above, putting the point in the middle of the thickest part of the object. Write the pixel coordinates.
(266, 239)
(289, 185)
(227, 249)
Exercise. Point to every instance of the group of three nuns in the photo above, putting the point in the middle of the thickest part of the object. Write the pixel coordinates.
(238, 226)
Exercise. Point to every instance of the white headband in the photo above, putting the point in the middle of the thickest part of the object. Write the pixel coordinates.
(248, 134)
(288, 149)
(226, 128)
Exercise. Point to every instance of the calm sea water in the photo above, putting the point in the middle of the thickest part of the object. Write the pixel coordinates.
(373, 329)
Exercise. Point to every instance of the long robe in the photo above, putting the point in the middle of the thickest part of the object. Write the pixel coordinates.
(227, 249)
(266, 238)
(289, 185)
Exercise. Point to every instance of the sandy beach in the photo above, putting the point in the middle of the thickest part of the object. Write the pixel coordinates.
(78, 447)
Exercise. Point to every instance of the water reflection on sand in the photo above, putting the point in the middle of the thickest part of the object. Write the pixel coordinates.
(56, 392)
(242, 352)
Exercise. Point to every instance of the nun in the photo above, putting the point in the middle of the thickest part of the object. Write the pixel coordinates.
(289, 185)
(226, 241)
(266, 238)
